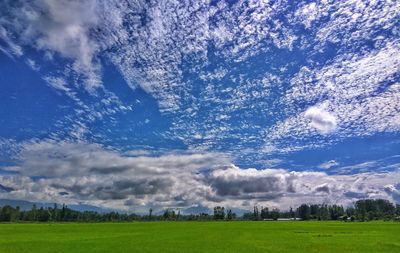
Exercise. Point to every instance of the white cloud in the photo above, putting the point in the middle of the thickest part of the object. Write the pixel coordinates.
(73, 30)
(10, 48)
(57, 83)
(328, 164)
(320, 119)
(360, 167)
(64, 27)
(353, 20)
(58, 27)
(308, 13)
(282, 188)
(349, 97)
(92, 173)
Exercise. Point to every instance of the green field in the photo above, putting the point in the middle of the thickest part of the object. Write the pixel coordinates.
(201, 237)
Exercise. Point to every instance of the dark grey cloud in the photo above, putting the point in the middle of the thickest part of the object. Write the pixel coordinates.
(109, 169)
(322, 188)
(227, 187)
(6, 188)
(356, 195)
(144, 186)
(57, 159)
(263, 185)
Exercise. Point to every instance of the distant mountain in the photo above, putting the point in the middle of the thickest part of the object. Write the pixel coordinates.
(202, 209)
(23, 205)
(83, 207)
(239, 211)
(27, 205)
(196, 210)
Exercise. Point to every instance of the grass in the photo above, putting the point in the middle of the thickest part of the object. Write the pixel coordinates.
(207, 237)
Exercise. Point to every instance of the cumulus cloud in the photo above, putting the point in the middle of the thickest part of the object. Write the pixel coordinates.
(90, 172)
(58, 159)
(284, 188)
(320, 119)
(233, 181)
(393, 190)
(75, 172)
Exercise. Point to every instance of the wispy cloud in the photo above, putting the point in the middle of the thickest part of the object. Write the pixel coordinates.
(328, 164)
(359, 97)
(61, 28)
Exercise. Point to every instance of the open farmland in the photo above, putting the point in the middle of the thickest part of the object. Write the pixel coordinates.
(201, 237)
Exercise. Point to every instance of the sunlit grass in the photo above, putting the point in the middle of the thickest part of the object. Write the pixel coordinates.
(201, 237)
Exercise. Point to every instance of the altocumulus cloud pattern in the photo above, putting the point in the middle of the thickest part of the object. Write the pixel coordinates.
(138, 104)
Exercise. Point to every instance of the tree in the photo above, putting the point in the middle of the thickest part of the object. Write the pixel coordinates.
(219, 213)
(43, 215)
(6, 213)
(291, 213)
(304, 212)
(15, 215)
(368, 209)
(361, 211)
(248, 216)
(34, 213)
(256, 214)
(230, 215)
(275, 214)
(323, 212)
(336, 212)
(264, 213)
(169, 215)
(314, 211)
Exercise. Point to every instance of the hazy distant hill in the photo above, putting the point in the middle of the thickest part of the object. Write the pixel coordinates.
(26, 205)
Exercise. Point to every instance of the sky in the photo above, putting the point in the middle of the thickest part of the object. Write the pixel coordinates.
(182, 104)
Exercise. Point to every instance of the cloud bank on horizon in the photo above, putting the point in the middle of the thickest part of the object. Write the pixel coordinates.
(137, 104)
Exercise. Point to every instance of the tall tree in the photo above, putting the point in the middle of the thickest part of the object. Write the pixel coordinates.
(219, 213)
(264, 213)
(256, 213)
(304, 212)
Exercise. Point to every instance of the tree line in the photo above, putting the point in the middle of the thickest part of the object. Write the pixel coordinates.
(363, 210)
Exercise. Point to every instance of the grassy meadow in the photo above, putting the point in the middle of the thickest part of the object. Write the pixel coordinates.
(204, 237)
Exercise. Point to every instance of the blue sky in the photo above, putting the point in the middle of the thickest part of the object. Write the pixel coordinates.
(131, 104)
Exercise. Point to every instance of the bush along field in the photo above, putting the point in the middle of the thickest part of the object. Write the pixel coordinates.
(368, 226)
(363, 210)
